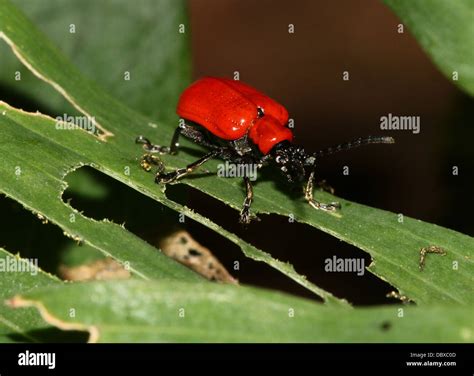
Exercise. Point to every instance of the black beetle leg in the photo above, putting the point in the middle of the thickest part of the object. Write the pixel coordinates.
(245, 216)
(152, 148)
(171, 177)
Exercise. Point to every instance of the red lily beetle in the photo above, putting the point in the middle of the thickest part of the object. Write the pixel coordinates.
(239, 124)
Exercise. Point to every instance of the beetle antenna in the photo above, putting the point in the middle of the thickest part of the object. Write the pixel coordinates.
(354, 144)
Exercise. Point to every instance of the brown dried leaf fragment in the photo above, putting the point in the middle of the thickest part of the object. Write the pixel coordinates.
(181, 247)
(103, 269)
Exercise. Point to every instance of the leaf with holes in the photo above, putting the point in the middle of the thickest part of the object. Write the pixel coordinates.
(53, 160)
(35, 178)
(173, 311)
(116, 158)
(393, 245)
(78, 29)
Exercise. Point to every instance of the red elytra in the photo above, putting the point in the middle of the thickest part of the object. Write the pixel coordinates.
(230, 110)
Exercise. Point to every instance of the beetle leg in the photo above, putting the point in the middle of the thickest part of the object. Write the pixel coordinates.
(245, 216)
(173, 176)
(190, 132)
(196, 135)
(308, 194)
(173, 149)
(151, 148)
(186, 130)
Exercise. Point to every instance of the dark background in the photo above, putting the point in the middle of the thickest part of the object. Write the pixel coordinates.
(389, 73)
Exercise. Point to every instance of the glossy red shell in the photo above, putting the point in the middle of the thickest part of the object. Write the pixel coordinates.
(228, 109)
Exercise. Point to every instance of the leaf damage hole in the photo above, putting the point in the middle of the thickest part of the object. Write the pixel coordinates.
(51, 335)
(98, 196)
(305, 247)
(32, 236)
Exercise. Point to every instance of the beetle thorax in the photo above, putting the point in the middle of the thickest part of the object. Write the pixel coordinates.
(267, 132)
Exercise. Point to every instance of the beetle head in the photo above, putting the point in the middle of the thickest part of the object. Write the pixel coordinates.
(291, 161)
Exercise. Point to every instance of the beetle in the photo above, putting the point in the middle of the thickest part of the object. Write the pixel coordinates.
(239, 124)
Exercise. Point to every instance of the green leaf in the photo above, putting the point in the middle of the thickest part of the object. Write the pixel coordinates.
(141, 38)
(393, 245)
(36, 180)
(445, 30)
(172, 311)
(17, 276)
(78, 29)
(57, 153)
(120, 152)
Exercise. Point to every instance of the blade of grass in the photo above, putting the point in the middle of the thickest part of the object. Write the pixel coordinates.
(173, 311)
